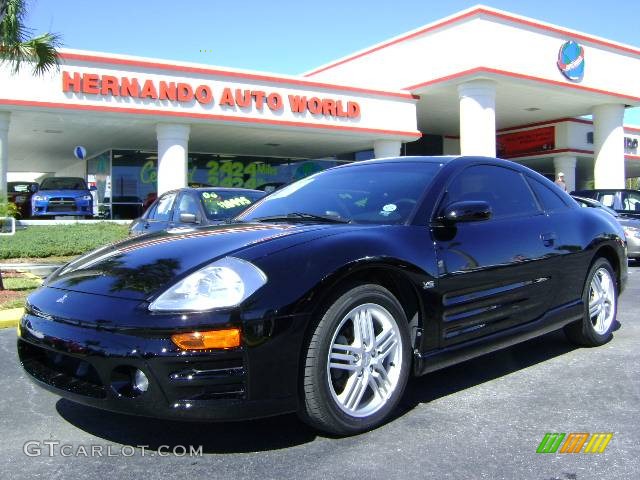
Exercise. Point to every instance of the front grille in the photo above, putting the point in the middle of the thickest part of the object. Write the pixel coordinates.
(58, 204)
(61, 371)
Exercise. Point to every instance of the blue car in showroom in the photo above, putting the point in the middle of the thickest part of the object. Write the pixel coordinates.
(62, 196)
(325, 296)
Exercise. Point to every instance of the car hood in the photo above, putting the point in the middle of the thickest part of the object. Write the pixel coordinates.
(62, 193)
(138, 267)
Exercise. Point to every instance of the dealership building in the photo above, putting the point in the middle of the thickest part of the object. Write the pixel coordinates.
(480, 82)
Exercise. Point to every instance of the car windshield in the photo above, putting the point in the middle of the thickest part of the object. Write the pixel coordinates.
(225, 204)
(377, 193)
(18, 187)
(63, 183)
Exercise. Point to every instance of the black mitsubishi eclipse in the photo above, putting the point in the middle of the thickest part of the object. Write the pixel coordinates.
(325, 296)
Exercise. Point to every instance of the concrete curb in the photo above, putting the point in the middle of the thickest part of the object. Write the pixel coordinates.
(11, 317)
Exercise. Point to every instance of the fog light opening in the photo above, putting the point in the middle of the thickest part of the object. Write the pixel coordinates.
(129, 382)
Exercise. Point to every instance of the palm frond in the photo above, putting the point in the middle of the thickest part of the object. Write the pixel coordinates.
(16, 47)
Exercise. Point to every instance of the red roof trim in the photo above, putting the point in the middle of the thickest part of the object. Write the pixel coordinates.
(520, 76)
(206, 116)
(544, 154)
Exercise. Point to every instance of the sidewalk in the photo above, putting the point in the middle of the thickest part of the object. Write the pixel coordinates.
(11, 317)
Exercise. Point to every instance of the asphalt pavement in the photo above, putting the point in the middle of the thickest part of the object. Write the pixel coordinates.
(481, 419)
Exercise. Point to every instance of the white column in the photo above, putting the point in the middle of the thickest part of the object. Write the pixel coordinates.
(386, 148)
(173, 148)
(567, 165)
(477, 118)
(5, 119)
(608, 139)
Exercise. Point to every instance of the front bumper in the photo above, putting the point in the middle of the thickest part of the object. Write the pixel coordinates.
(67, 206)
(633, 247)
(86, 365)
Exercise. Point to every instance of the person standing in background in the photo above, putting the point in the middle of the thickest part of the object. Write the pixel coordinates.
(560, 181)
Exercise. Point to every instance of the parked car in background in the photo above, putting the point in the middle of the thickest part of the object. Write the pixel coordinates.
(62, 196)
(188, 207)
(20, 193)
(623, 201)
(324, 297)
(630, 224)
(591, 203)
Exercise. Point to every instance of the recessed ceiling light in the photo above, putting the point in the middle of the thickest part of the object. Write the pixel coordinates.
(53, 131)
(272, 144)
(532, 109)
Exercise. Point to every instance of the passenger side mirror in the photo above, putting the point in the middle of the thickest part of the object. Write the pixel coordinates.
(93, 188)
(467, 211)
(188, 218)
(33, 188)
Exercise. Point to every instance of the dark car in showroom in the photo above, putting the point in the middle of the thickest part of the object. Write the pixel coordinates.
(189, 207)
(62, 196)
(325, 296)
(630, 225)
(20, 193)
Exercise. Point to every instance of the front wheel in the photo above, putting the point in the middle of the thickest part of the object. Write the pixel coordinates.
(357, 362)
(600, 297)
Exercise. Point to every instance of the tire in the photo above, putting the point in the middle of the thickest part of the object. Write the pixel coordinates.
(596, 326)
(361, 385)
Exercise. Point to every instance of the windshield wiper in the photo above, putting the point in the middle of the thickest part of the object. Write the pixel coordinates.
(301, 216)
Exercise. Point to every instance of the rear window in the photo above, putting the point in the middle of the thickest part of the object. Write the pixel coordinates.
(63, 183)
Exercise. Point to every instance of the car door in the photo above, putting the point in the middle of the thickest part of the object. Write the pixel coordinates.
(161, 213)
(497, 273)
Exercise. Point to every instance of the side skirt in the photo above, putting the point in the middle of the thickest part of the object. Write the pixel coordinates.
(445, 357)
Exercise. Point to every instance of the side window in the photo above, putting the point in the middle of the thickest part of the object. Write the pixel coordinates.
(163, 207)
(187, 204)
(549, 199)
(505, 190)
(631, 201)
(152, 212)
(608, 199)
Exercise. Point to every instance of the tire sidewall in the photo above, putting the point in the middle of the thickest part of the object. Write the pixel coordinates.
(326, 329)
(587, 327)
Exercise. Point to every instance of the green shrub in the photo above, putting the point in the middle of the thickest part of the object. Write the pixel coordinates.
(9, 209)
(59, 240)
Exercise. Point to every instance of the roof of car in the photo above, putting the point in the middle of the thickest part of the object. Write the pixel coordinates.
(577, 192)
(218, 189)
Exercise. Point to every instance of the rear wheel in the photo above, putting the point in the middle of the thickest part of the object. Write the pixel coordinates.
(357, 362)
(600, 297)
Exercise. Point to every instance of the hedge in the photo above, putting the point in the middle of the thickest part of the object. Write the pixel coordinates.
(59, 240)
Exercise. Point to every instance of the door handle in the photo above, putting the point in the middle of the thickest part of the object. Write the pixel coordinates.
(548, 239)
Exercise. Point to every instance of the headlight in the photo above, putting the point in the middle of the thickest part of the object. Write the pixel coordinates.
(631, 231)
(86, 197)
(225, 283)
(38, 198)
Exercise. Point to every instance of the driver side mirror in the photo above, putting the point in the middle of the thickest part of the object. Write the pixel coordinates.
(33, 188)
(188, 218)
(467, 211)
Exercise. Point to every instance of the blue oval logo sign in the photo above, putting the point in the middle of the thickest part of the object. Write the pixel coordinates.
(571, 61)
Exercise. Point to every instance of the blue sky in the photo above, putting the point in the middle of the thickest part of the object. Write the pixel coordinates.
(290, 36)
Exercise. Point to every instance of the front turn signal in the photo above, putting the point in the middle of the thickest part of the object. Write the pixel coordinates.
(229, 338)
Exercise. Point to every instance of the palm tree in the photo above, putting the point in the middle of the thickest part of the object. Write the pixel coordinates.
(17, 47)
